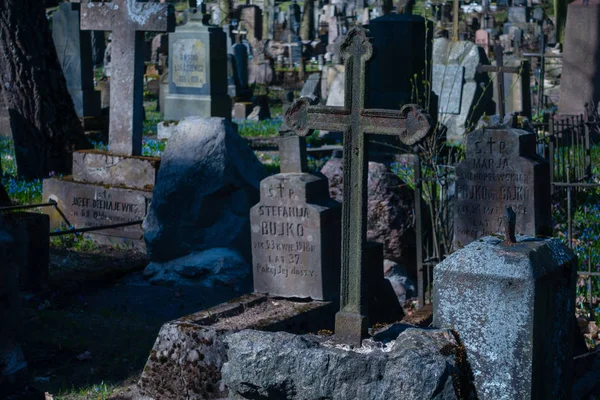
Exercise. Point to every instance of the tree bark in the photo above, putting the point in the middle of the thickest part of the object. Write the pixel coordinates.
(45, 127)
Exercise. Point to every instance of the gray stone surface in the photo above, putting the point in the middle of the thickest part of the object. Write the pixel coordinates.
(127, 20)
(296, 238)
(416, 364)
(335, 95)
(165, 129)
(208, 180)
(312, 86)
(5, 129)
(188, 354)
(12, 360)
(447, 83)
(108, 169)
(209, 268)
(74, 50)
(455, 70)
(512, 307)
(197, 72)
(580, 79)
(517, 14)
(390, 207)
(86, 205)
(501, 169)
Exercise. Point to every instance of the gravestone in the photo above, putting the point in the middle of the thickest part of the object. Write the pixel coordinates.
(398, 38)
(74, 50)
(5, 129)
(296, 231)
(115, 187)
(512, 304)
(13, 366)
(197, 71)
(312, 86)
(240, 67)
(464, 94)
(580, 79)
(501, 169)
(250, 17)
(518, 14)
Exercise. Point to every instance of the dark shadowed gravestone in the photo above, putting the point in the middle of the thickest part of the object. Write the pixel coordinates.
(74, 50)
(296, 230)
(501, 169)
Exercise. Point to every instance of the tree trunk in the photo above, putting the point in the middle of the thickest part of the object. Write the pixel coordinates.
(45, 126)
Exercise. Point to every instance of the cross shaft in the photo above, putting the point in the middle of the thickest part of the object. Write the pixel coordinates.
(128, 20)
(500, 70)
(410, 123)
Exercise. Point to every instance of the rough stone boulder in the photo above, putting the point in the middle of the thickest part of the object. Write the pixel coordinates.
(207, 183)
(418, 364)
(390, 208)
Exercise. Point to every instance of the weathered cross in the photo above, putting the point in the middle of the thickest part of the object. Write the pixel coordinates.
(290, 45)
(500, 70)
(410, 123)
(128, 20)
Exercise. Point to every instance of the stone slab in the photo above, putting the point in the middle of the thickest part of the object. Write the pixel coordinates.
(87, 205)
(448, 85)
(180, 106)
(188, 354)
(108, 169)
(513, 308)
(501, 169)
(295, 232)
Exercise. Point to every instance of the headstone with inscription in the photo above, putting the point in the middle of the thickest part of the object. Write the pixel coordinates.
(296, 230)
(74, 50)
(197, 71)
(501, 169)
(109, 189)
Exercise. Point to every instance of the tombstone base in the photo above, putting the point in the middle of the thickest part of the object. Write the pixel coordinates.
(82, 205)
(180, 106)
(350, 328)
(93, 166)
(188, 354)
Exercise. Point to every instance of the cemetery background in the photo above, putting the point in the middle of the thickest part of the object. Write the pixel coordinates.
(576, 223)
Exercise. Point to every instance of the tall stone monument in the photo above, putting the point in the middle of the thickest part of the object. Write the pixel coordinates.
(115, 187)
(197, 71)
(296, 230)
(501, 169)
(580, 79)
(74, 50)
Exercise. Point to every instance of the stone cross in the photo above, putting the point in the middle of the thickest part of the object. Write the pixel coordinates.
(290, 44)
(500, 70)
(128, 20)
(410, 123)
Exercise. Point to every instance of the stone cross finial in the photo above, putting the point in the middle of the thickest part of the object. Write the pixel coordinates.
(128, 20)
(510, 222)
(410, 123)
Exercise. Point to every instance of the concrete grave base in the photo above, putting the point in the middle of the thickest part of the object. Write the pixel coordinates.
(92, 166)
(86, 205)
(189, 353)
(413, 364)
(180, 106)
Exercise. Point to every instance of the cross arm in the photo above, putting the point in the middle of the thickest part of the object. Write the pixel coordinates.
(410, 123)
(97, 16)
(303, 117)
(492, 68)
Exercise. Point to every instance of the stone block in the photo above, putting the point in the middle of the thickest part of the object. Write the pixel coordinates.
(87, 205)
(92, 166)
(512, 307)
(518, 14)
(296, 237)
(180, 106)
(412, 364)
(188, 354)
(30, 231)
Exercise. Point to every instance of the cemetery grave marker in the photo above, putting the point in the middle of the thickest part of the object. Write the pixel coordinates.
(410, 123)
(501, 169)
(295, 230)
(128, 20)
(500, 70)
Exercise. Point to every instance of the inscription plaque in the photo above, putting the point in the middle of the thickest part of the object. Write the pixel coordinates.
(189, 63)
(85, 205)
(296, 238)
(501, 169)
